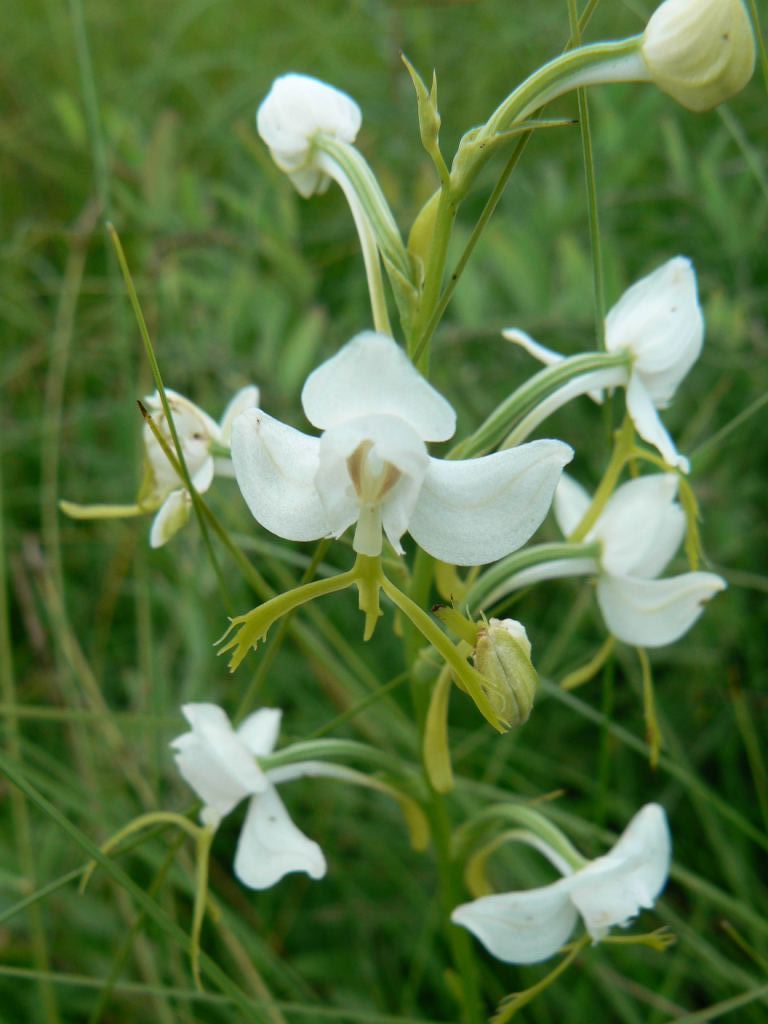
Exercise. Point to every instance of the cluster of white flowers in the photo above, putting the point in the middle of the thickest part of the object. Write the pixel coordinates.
(369, 468)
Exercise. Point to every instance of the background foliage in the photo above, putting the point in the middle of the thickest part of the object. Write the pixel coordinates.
(143, 114)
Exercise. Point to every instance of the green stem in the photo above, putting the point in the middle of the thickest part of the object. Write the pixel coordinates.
(518, 406)
(460, 941)
(155, 368)
(623, 448)
(462, 951)
(485, 588)
(418, 343)
(591, 183)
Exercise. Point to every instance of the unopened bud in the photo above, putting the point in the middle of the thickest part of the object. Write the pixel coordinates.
(700, 52)
(502, 656)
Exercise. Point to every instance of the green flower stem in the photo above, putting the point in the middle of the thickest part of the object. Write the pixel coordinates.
(514, 409)
(467, 677)
(418, 342)
(366, 187)
(494, 578)
(493, 200)
(475, 830)
(369, 248)
(623, 450)
(460, 941)
(332, 750)
(598, 63)
(586, 65)
(462, 950)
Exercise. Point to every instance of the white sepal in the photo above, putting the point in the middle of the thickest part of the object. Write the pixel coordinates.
(652, 613)
(271, 846)
(275, 466)
(475, 511)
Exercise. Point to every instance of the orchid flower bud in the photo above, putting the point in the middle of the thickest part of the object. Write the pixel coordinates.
(297, 109)
(502, 656)
(700, 52)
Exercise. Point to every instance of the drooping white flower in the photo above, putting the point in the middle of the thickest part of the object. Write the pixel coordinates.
(220, 764)
(163, 491)
(197, 434)
(528, 927)
(370, 466)
(700, 52)
(640, 529)
(295, 110)
(658, 322)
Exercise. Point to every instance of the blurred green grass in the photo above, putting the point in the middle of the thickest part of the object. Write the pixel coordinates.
(144, 114)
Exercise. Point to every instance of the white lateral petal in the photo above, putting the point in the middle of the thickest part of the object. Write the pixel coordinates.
(521, 927)
(215, 762)
(570, 504)
(260, 730)
(614, 888)
(475, 511)
(545, 355)
(275, 467)
(393, 443)
(270, 846)
(371, 375)
(246, 398)
(649, 426)
(669, 537)
(659, 320)
(171, 516)
(632, 520)
(203, 478)
(652, 613)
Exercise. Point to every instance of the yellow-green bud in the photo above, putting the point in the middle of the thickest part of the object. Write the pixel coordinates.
(502, 656)
(700, 52)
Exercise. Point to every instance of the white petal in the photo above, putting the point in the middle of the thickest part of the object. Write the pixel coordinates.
(669, 537)
(570, 504)
(260, 730)
(275, 467)
(474, 511)
(557, 569)
(371, 375)
(393, 443)
(614, 888)
(297, 108)
(520, 927)
(659, 320)
(203, 478)
(632, 521)
(215, 762)
(652, 613)
(545, 355)
(648, 424)
(270, 846)
(245, 398)
(171, 516)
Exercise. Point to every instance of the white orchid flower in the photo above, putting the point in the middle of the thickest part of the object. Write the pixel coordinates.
(700, 52)
(659, 324)
(162, 490)
(528, 927)
(370, 465)
(295, 110)
(220, 764)
(639, 531)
